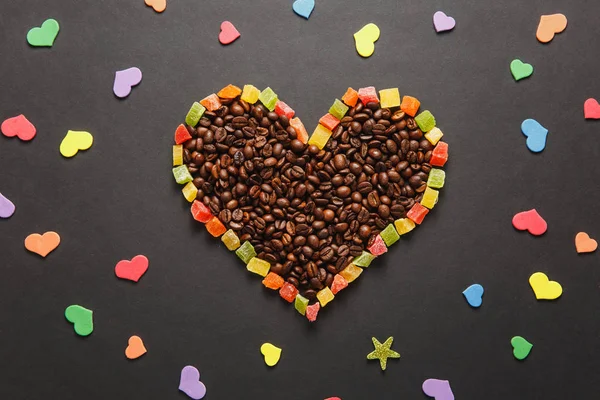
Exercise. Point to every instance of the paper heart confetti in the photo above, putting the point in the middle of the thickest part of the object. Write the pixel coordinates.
(544, 288)
(531, 221)
(81, 318)
(536, 135)
(18, 126)
(228, 33)
(7, 208)
(44, 35)
(135, 348)
(521, 347)
(190, 383)
(520, 70)
(303, 7)
(271, 354)
(585, 244)
(549, 26)
(42, 244)
(132, 270)
(125, 80)
(365, 39)
(591, 109)
(474, 295)
(438, 389)
(158, 5)
(442, 22)
(75, 141)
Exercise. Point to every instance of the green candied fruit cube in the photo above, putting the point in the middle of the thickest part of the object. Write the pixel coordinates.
(436, 178)
(338, 109)
(389, 235)
(182, 175)
(300, 304)
(246, 252)
(268, 98)
(194, 115)
(425, 120)
(364, 260)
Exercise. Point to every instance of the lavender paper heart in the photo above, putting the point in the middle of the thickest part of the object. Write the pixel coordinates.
(190, 384)
(125, 80)
(7, 208)
(438, 389)
(442, 22)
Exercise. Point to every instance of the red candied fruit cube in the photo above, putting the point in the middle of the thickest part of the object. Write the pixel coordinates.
(329, 121)
(288, 292)
(417, 213)
(283, 109)
(181, 134)
(439, 155)
(200, 212)
(312, 311)
(339, 283)
(378, 246)
(368, 95)
(350, 98)
(273, 281)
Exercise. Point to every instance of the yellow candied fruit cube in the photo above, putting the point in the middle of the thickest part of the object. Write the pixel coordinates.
(231, 240)
(177, 155)
(389, 98)
(430, 198)
(250, 94)
(325, 296)
(404, 225)
(320, 136)
(434, 135)
(189, 192)
(351, 272)
(258, 266)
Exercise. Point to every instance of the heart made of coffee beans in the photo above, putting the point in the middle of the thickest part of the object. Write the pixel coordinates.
(309, 214)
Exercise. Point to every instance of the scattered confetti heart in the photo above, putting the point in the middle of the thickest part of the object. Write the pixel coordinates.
(549, 26)
(132, 270)
(544, 288)
(7, 208)
(135, 348)
(81, 318)
(271, 353)
(42, 244)
(536, 135)
(438, 389)
(44, 35)
(521, 347)
(125, 80)
(531, 221)
(190, 383)
(18, 126)
(333, 398)
(75, 141)
(442, 22)
(474, 295)
(303, 7)
(520, 70)
(158, 5)
(585, 244)
(228, 33)
(591, 109)
(365, 39)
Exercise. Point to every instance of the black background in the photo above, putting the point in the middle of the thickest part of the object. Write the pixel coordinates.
(197, 304)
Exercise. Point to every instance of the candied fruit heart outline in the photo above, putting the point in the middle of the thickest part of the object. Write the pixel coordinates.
(531, 221)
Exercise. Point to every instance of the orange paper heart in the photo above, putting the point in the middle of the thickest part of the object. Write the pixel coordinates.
(158, 5)
(584, 244)
(135, 348)
(42, 244)
(549, 26)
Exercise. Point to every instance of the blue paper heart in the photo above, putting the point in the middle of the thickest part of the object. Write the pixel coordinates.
(303, 7)
(536, 135)
(474, 294)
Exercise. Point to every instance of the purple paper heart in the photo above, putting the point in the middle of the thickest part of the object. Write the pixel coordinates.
(125, 80)
(7, 208)
(438, 389)
(190, 384)
(442, 22)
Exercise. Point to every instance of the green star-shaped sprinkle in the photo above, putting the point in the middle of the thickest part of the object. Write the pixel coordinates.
(382, 352)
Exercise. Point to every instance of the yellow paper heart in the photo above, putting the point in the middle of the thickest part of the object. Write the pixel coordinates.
(544, 288)
(75, 141)
(272, 353)
(365, 39)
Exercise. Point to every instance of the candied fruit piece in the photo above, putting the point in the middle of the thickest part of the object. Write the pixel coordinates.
(329, 121)
(404, 225)
(283, 109)
(350, 98)
(368, 95)
(351, 272)
(189, 191)
(268, 98)
(425, 120)
(211, 102)
(430, 197)
(436, 178)
(378, 246)
(439, 155)
(229, 92)
(298, 126)
(339, 283)
(389, 98)
(258, 266)
(200, 212)
(182, 175)
(250, 94)
(215, 227)
(194, 115)
(177, 154)
(338, 109)
(273, 281)
(288, 292)
(246, 252)
(312, 311)
(434, 135)
(389, 235)
(364, 260)
(300, 304)
(231, 240)
(325, 296)
(181, 134)
(417, 213)
(320, 136)
(410, 105)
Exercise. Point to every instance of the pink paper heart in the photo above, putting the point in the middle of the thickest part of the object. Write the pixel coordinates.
(228, 33)
(442, 22)
(591, 109)
(18, 126)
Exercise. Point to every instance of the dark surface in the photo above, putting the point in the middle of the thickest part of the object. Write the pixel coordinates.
(197, 305)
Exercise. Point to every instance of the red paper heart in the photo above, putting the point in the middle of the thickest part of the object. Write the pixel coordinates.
(18, 126)
(531, 221)
(228, 33)
(132, 270)
(591, 109)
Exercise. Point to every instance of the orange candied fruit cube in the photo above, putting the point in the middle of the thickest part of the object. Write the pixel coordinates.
(288, 292)
(229, 92)
(181, 134)
(298, 126)
(417, 213)
(410, 105)
(215, 227)
(211, 102)
(273, 281)
(329, 121)
(350, 98)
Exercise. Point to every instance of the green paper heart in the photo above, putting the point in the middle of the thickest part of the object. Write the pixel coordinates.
(520, 70)
(521, 347)
(44, 35)
(81, 318)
